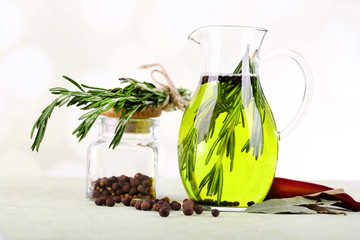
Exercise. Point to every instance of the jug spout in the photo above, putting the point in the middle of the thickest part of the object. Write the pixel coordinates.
(224, 46)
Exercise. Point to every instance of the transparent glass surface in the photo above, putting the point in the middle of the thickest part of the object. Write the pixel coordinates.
(136, 153)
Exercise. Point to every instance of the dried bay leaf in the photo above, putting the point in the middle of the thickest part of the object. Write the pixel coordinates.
(320, 209)
(283, 205)
(295, 205)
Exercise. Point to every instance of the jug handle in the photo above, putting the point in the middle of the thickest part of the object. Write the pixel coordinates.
(308, 90)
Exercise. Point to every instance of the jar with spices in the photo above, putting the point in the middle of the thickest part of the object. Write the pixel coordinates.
(130, 169)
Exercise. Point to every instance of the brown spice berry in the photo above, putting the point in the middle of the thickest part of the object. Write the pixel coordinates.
(138, 205)
(250, 203)
(151, 201)
(126, 201)
(189, 204)
(133, 191)
(145, 206)
(236, 203)
(188, 211)
(126, 187)
(96, 193)
(115, 186)
(110, 202)
(118, 192)
(164, 212)
(132, 203)
(124, 178)
(147, 191)
(139, 176)
(113, 179)
(156, 206)
(117, 199)
(147, 183)
(166, 199)
(141, 189)
(99, 202)
(105, 193)
(107, 182)
(215, 212)
(175, 205)
(198, 209)
(134, 182)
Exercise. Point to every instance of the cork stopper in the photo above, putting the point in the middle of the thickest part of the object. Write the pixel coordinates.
(149, 112)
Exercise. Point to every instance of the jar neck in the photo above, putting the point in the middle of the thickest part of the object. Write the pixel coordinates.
(135, 129)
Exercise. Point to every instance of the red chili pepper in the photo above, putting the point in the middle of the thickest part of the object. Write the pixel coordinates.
(286, 188)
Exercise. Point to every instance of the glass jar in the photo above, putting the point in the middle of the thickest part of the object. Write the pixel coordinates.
(131, 168)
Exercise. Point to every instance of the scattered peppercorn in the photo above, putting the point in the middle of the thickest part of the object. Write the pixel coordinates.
(215, 212)
(126, 201)
(117, 199)
(198, 209)
(99, 202)
(132, 203)
(188, 211)
(145, 206)
(250, 203)
(164, 212)
(96, 194)
(110, 202)
(156, 207)
(175, 205)
(126, 187)
(138, 205)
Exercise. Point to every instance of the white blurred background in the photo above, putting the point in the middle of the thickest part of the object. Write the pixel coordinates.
(95, 42)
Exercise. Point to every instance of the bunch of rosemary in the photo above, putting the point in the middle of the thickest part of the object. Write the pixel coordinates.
(231, 99)
(134, 96)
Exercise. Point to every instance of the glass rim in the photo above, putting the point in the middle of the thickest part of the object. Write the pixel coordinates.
(229, 27)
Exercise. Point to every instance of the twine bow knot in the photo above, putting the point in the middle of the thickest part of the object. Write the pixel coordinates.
(173, 99)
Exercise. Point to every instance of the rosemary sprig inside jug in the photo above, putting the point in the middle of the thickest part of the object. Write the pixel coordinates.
(133, 96)
(217, 123)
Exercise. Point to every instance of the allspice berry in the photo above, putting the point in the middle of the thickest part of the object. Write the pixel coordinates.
(215, 212)
(126, 201)
(188, 211)
(113, 179)
(96, 193)
(145, 206)
(110, 202)
(156, 207)
(164, 212)
(138, 205)
(141, 189)
(115, 186)
(99, 202)
(117, 199)
(126, 188)
(175, 205)
(250, 203)
(132, 203)
(198, 209)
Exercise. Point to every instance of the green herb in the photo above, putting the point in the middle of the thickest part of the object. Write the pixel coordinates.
(231, 99)
(134, 96)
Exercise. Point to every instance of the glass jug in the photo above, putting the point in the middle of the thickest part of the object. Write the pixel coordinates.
(228, 140)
